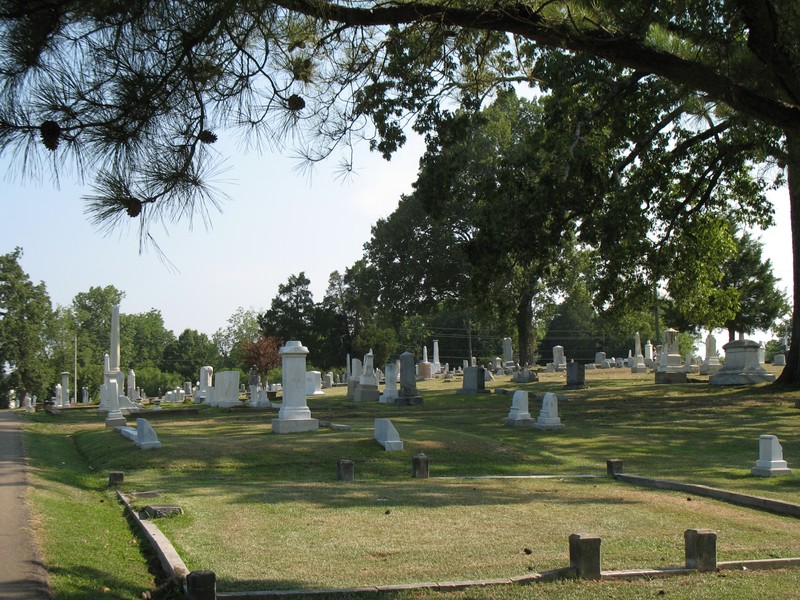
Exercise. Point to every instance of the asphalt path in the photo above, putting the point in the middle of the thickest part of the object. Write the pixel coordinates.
(22, 574)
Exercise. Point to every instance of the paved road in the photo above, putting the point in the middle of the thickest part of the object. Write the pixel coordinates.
(22, 575)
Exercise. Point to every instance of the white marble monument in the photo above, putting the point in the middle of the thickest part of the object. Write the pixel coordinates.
(294, 415)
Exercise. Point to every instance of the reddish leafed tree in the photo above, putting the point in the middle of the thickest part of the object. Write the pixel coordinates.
(263, 354)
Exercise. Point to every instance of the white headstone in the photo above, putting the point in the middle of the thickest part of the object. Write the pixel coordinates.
(390, 391)
(770, 458)
(204, 390)
(519, 415)
(548, 416)
(508, 352)
(146, 437)
(387, 436)
(314, 383)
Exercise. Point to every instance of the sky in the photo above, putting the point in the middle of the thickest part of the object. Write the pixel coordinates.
(277, 222)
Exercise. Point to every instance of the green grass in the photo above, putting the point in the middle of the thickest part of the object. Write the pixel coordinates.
(265, 511)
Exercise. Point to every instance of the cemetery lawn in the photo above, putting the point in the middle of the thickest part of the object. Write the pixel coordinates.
(265, 511)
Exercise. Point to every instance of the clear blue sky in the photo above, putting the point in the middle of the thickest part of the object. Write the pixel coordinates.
(277, 222)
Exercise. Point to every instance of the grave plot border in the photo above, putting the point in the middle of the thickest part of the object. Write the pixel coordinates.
(176, 569)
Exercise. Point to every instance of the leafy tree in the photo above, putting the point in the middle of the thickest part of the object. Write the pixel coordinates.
(191, 351)
(143, 339)
(760, 301)
(25, 312)
(91, 312)
(242, 329)
(263, 353)
(291, 313)
(146, 88)
(154, 382)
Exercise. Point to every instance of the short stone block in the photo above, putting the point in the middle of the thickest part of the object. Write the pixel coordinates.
(584, 555)
(116, 478)
(159, 511)
(701, 549)
(419, 466)
(345, 470)
(613, 466)
(201, 585)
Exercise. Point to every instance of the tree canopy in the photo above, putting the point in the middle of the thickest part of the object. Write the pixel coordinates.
(138, 92)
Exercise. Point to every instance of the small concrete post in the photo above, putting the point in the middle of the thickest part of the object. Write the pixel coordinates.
(201, 585)
(419, 466)
(613, 466)
(584, 555)
(115, 478)
(701, 549)
(345, 470)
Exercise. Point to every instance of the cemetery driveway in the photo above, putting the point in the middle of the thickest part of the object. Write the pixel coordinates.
(22, 574)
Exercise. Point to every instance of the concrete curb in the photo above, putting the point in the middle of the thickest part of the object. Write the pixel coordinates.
(170, 561)
(775, 506)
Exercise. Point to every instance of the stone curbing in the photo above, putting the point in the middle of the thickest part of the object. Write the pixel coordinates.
(171, 562)
(584, 550)
(780, 507)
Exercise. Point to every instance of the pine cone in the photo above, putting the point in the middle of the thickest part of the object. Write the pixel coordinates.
(296, 103)
(51, 133)
(133, 206)
(207, 137)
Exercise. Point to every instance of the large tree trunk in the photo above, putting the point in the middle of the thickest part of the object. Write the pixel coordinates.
(791, 372)
(524, 317)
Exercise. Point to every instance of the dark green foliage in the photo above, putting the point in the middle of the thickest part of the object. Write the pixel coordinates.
(25, 314)
(187, 354)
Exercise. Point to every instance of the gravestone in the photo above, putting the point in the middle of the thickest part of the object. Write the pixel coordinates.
(390, 390)
(226, 389)
(524, 375)
(638, 365)
(508, 353)
(770, 458)
(314, 383)
(559, 360)
(779, 360)
(548, 416)
(204, 387)
(386, 435)
(576, 376)
(114, 417)
(424, 371)
(437, 365)
(670, 366)
(474, 381)
(294, 415)
(367, 390)
(327, 381)
(649, 355)
(408, 393)
(519, 416)
(741, 365)
(65, 390)
(600, 359)
(356, 368)
(143, 435)
(711, 364)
